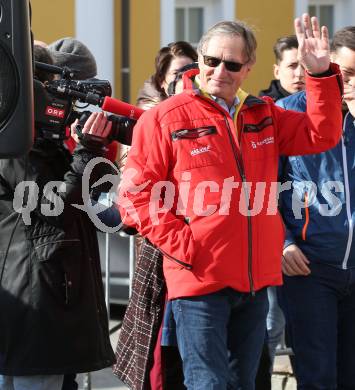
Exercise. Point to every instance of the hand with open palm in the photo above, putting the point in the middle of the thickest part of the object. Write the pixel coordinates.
(313, 45)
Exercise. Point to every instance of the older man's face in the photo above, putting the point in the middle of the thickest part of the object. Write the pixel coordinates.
(219, 81)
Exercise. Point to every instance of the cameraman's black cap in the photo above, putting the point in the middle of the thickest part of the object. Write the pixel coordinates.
(75, 55)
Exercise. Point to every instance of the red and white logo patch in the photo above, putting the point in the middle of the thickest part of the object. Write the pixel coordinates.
(56, 112)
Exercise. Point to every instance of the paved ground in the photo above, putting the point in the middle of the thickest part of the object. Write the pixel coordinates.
(281, 380)
(105, 380)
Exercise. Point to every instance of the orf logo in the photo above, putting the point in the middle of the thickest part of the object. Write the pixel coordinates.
(56, 112)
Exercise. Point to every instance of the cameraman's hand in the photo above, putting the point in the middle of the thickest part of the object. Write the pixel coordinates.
(96, 128)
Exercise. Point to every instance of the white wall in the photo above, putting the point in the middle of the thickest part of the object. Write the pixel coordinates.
(167, 22)
(215, 11)
(344, 10)
(344, 13)
(95, 27)
(301, 7)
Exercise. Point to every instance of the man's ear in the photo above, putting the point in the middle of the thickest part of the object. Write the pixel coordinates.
(276, 71)
(249, 66)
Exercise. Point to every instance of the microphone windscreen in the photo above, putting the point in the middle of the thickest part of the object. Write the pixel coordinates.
(121, 108)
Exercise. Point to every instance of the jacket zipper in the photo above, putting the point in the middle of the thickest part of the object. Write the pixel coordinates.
(240, 168)
(250, 232)
(171, 258)
(306, 211)
(66, 287)
(347, 198)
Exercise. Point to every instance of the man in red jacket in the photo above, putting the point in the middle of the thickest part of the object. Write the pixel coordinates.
(200, 184)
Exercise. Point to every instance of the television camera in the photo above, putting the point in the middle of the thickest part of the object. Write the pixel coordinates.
(57, 105)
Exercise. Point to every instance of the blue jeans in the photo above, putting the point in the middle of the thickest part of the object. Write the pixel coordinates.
(33, 382)
(275, 323)
(320, 314)
(220, 338)
(168, 337)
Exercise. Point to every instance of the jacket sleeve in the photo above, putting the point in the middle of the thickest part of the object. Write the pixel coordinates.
(147, 166)
(35, 199)
(289, 238)
(319, 129)
(80, 186)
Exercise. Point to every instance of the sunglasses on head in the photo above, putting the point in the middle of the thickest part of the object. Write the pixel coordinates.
(213, 62)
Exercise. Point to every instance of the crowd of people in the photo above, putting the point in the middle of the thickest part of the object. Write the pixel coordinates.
(225, 267)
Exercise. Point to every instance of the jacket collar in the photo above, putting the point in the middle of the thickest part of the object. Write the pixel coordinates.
(253, 101)
(275, 91)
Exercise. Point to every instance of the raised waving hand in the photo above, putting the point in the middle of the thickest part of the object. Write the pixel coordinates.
(313, 49)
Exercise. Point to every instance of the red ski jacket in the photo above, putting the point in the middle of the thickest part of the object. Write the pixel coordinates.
(208, 198)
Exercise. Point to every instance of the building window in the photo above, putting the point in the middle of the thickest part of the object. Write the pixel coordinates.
(189, 24)
(325, 15)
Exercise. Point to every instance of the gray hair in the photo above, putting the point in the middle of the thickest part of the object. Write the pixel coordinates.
(235, 28)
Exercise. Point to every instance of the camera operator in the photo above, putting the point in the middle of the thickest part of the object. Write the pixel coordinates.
(42, 54)
(54, 320)
(75, 55)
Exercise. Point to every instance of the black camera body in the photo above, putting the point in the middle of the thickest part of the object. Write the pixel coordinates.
(56, 106)
(52, 113)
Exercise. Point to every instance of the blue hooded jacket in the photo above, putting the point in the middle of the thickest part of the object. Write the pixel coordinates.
(319, 209)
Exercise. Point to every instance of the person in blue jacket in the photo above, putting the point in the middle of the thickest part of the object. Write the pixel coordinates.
(318, 296)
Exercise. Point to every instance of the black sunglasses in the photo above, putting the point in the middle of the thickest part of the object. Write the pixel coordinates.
(213, 62)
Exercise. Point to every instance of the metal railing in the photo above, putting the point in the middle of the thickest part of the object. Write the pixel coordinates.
(87, 384)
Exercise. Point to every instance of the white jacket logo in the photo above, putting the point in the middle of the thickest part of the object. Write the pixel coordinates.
(203, 149)
(266, 141)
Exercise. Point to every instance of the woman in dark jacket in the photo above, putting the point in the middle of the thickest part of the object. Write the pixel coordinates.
(53, 316)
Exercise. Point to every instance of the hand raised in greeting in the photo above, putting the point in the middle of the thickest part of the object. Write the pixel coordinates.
(313, 49)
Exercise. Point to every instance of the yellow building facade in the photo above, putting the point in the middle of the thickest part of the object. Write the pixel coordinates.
(125, 35)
